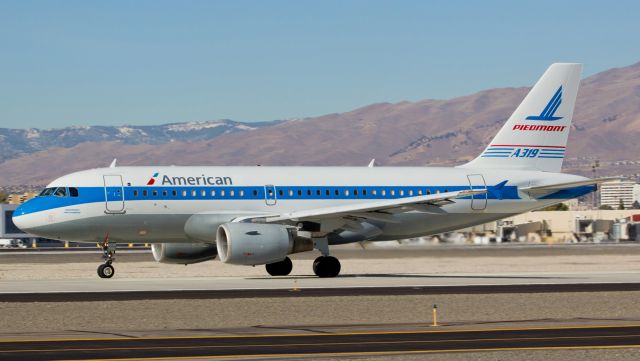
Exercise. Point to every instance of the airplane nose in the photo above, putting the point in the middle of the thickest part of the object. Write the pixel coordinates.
(22, 219)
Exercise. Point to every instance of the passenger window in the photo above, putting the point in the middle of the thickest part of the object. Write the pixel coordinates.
(255, 192)
(383, 192)
(232, 193)
(290, 192)
(318, 192)
(401, 193)
(73, 192)
(393, 192)
(184, 193)
(428, 191)
(164, 193)
(174, 192)
(346, 192)
(144, 193)
(155, 193)
(300, 192)
(337, 192)
(364, 192)
(222, 193)
(135, 193)
(213, 192)
(308, 192)
(355, 192)
(61, 192)
(241, 193)
(374, 192)
(280, 192)
(419, 191)
(327, 193)
(193, 192)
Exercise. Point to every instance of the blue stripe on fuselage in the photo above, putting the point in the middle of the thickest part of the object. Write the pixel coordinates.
(283, 193)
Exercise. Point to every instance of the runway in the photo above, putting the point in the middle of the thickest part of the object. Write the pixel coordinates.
(312, 292)
(339, 344)
(308, 286)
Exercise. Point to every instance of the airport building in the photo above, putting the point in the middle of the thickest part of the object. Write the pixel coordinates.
(20, 197)
(8, 230)
(612, 193)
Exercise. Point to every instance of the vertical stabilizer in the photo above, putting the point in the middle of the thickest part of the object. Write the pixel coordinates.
(535, 136)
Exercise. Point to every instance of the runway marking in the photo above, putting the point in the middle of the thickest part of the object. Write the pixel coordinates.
(324, 334)
(365, 353)
(316, 344)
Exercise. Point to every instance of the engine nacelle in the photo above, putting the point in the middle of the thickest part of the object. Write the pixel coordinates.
(257, 243)
(183, 253)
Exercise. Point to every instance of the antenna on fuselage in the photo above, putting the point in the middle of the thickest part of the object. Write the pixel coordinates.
(372, 163)
(113, 164)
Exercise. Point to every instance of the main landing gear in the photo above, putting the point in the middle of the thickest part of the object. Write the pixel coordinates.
(106, 270)
(325, 266)
(282, 268)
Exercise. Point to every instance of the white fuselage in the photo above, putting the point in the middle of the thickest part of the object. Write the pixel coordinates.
(153, 204)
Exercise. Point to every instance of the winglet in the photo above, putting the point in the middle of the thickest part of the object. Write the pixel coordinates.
(113, 164)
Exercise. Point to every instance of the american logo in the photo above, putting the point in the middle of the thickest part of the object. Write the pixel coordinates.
(202, 180)
(153, 179)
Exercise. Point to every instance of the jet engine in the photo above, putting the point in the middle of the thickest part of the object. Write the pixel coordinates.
(183, 253)
(257, 243)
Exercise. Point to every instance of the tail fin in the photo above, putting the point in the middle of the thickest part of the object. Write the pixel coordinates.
(535, 136)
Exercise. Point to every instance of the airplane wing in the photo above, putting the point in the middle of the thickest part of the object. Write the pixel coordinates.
(380, 210)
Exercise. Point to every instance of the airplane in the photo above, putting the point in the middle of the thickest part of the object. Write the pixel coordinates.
(260, 215)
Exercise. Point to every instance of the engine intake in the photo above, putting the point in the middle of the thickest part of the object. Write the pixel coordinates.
(183, 253)
(257, 243)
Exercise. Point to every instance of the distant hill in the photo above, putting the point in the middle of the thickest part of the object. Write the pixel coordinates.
(18, 142)
(445, 132)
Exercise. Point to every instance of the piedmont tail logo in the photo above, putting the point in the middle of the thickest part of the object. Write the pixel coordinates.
(153, 179)
(550, 109)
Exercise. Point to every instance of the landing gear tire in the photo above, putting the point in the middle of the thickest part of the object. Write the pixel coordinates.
(282, 268)
(326, 266)
(106, 270)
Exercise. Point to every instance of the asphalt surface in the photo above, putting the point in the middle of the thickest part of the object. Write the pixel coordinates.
(338, 344)
(313, 292)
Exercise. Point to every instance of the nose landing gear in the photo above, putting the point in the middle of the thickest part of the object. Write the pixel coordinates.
(106, 270)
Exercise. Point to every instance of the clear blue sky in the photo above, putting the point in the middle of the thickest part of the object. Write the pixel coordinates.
(151, 62)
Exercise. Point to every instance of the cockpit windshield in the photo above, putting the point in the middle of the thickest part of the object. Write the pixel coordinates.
(46, 192)
(59, 192)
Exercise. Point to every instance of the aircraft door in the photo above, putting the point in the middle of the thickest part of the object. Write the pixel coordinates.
(270, 195)
(478, 201)
(114, 194)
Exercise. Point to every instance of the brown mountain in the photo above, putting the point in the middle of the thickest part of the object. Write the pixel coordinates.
(606, 126)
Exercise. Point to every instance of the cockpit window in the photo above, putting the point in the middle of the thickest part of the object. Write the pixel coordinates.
(73, 191)
(61, 192)
(46, 192)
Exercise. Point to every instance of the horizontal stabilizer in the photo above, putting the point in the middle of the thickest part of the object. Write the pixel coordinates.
(538, 190)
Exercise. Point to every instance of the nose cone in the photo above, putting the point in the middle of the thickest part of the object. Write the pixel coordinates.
(24, 217)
